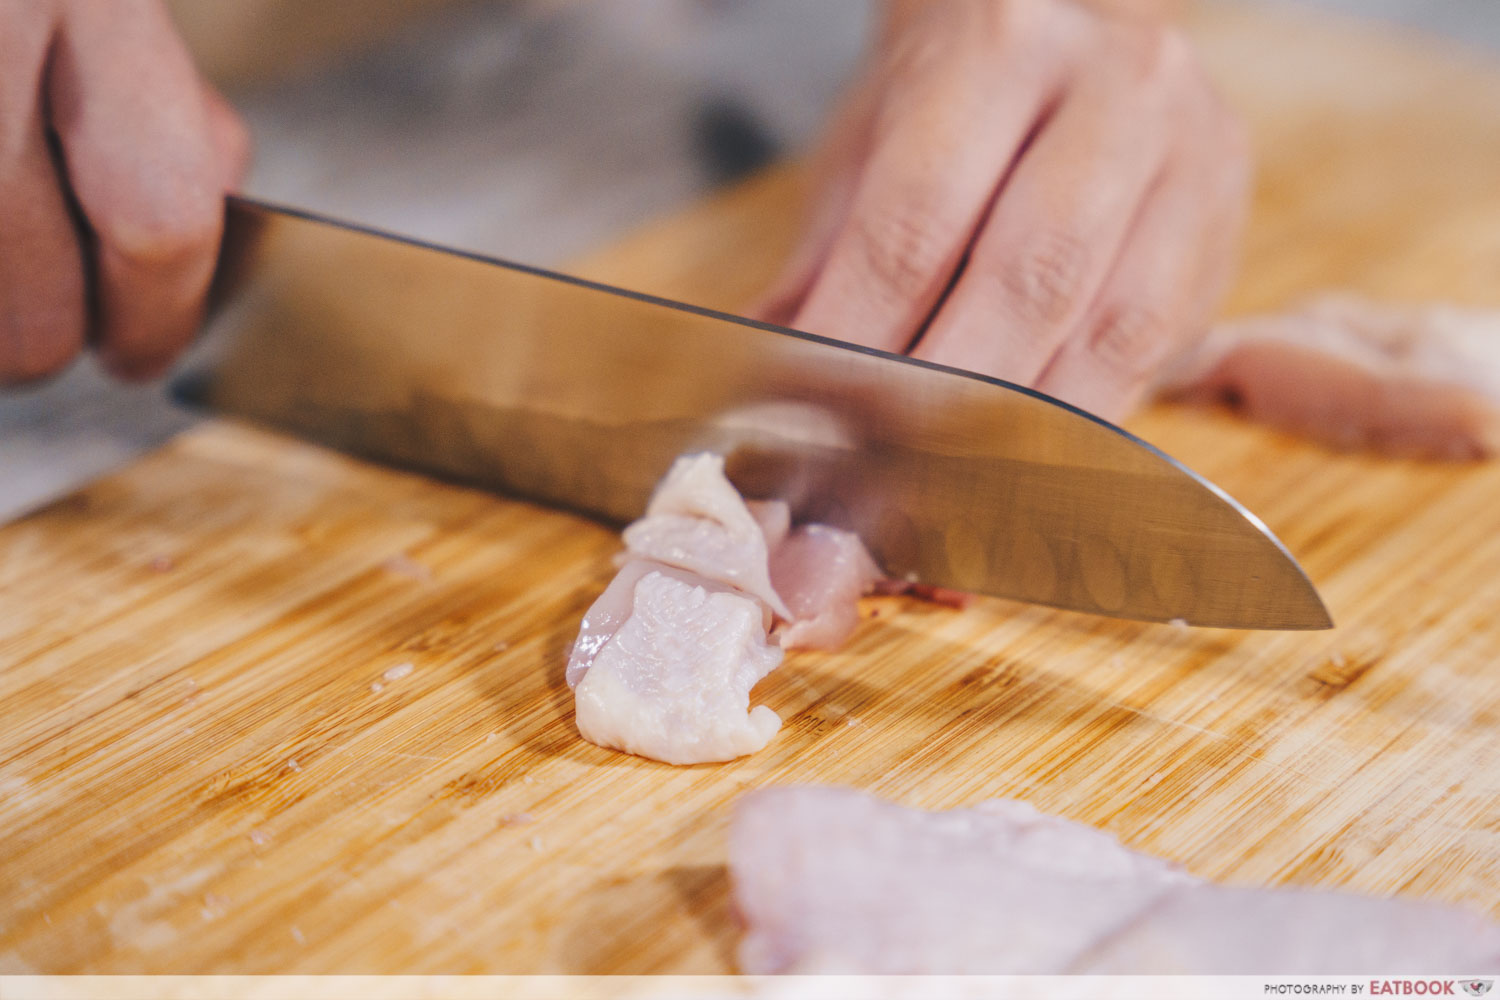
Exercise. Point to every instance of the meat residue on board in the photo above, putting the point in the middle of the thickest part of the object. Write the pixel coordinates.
(667, 655)
(1420, 381)
(833, 880)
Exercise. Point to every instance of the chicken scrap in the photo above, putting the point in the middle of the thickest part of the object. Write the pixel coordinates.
(666, 657)
(833, 880)
(673, 682)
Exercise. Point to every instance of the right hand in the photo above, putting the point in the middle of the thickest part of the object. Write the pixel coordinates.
(114, 159)
(1041, 191)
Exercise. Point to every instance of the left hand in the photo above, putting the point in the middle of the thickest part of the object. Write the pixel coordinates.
(1035, 190)
(114, 158)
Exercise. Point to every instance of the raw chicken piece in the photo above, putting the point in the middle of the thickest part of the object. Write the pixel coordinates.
(673, 682)
(1223, 930)
(1417, 381)
(821, 572)
(833, 880)
(609, 611)
(666, 656)
(697, 521)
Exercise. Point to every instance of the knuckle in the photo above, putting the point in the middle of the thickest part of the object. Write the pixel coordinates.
(1045, 280)
(236, 140)
(901, 250)
(163, 235)
(1131, 340)
(1173, 52)
(1156, 57)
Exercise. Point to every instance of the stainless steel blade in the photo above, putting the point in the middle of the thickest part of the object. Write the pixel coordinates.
(581, 395)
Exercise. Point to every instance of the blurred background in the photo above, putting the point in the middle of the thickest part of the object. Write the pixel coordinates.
(528, 130)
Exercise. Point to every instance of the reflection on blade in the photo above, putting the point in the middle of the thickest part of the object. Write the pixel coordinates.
(580, 395)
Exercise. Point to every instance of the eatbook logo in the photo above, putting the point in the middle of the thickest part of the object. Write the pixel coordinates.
(1477, 987)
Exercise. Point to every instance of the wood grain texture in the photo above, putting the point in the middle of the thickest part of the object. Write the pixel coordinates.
(213, 757)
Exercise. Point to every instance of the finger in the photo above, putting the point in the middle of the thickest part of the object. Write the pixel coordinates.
(1166, 284)
(1142, 312)
(43, 311)
(43, 316)
(135, 130)
(1059, 222)
(833, 174)
(231, 139)
(931, 173)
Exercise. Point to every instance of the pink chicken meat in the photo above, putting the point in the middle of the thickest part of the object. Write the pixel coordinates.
(698, 522)
(673, 682)
(666, 657)
(834, 880)
(821, 572)
(1412, 381)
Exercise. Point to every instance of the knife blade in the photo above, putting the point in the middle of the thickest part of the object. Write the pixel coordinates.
(580, 395)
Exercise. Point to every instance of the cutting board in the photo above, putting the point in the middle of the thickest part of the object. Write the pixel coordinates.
(267, 708)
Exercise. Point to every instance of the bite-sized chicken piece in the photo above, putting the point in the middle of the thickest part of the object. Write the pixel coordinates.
(833, 880)
(697, 521)
(666, 656)
(1412, 381)
(610, 610)
(673, 682)
(821, 573)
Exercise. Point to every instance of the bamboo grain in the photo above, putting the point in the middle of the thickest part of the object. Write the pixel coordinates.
(267, 708)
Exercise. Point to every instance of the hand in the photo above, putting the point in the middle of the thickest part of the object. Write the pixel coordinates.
(114, 160)
(1030, 189)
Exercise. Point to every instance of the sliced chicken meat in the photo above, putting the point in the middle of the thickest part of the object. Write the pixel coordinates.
(833, 880)
(666, 656)
(673, 682)
(1414, 381)
(697, 521)
(613, 607)
(821, 573)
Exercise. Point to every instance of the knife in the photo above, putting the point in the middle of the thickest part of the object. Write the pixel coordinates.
(580, 395)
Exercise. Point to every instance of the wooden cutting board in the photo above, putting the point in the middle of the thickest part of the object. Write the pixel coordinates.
(270, 709)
